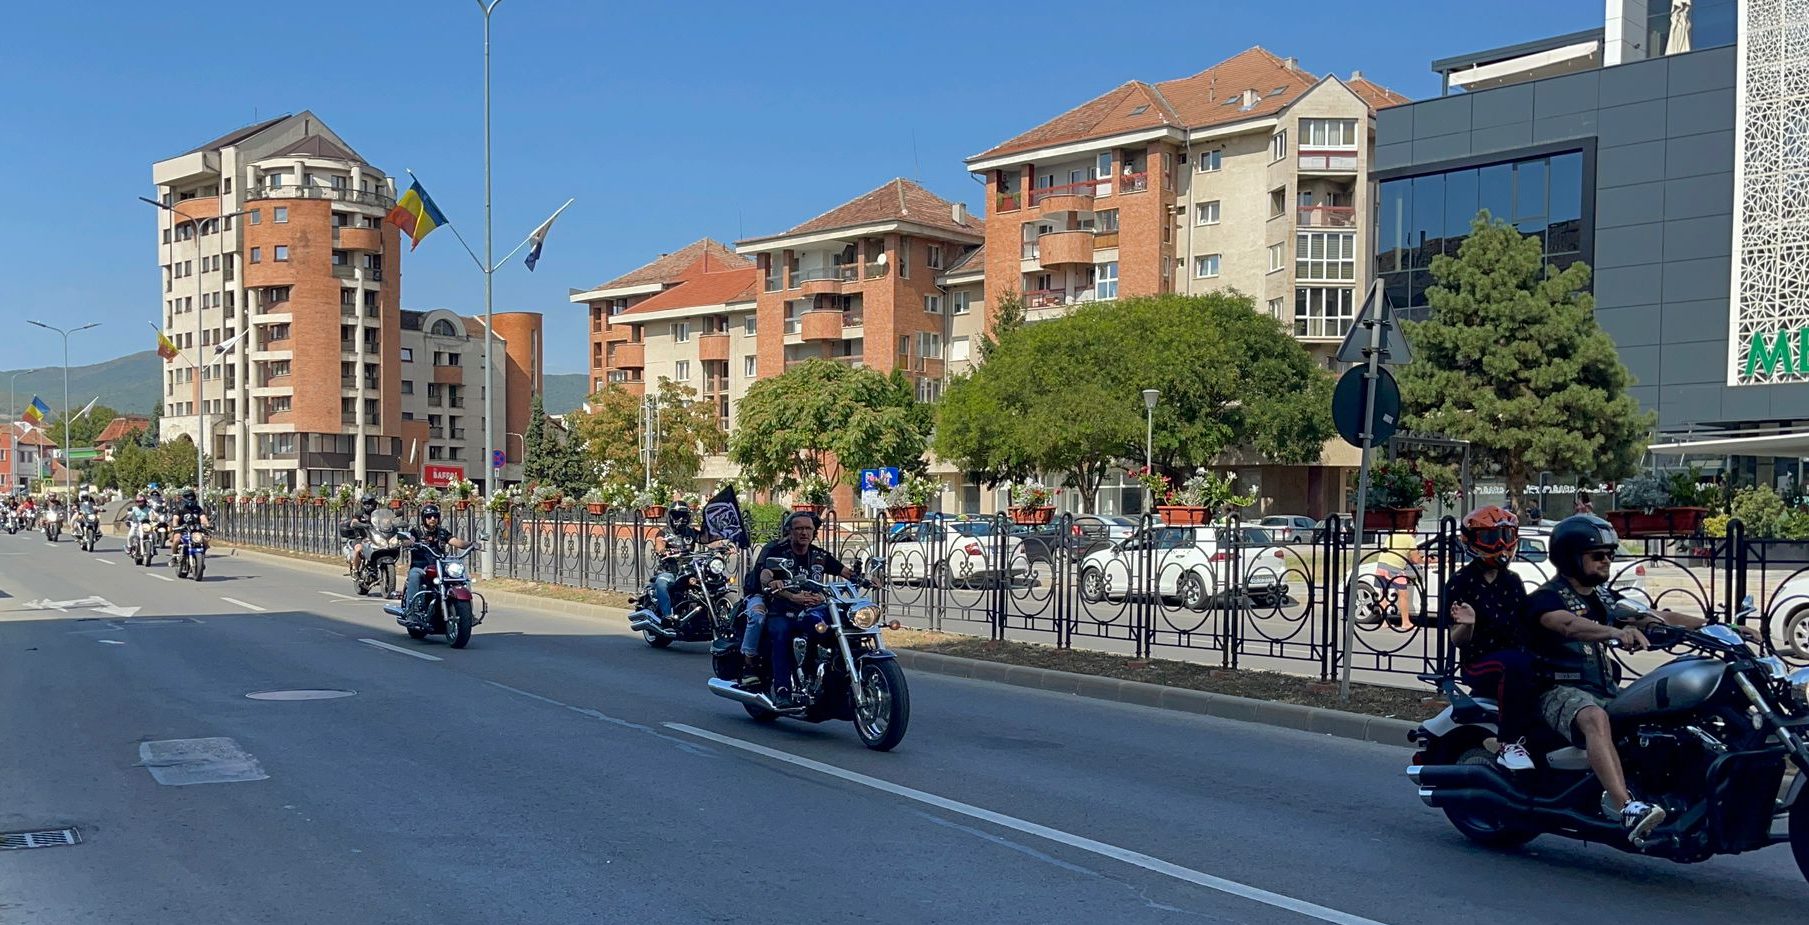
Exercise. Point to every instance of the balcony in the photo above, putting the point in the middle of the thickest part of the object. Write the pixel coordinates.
(818, 324)
(1327, 217)
(1133, 182)
(715, 385)
(1071, 197)
(449, 375)
(332, 193)
(344, 271)
(629, 356)
(436, 433)
(1313, 327)
(826, 280)
(1008, 202)
(458, 433)
(1336, 160)
(1064, 248)
(358, 239)
(713, 347)
(1045, 298)
(1105, 239)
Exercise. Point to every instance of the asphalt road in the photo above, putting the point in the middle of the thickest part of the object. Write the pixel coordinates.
(559, 770)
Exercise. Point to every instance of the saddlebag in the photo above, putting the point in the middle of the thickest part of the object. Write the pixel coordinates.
(1742, 793)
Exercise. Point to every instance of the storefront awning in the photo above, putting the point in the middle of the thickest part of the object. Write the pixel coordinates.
(1789, 443)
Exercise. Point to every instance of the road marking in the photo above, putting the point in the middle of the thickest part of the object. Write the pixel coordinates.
(604, 717)
(110, 642)
(343, 597)
(411, 654)
(160, 577)
(1133, 858)
(181, 762)
(103, 561)
(234, 600)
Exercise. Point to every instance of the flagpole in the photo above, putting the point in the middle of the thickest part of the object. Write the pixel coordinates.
(524, 241)
(491, 484)
(67, 419)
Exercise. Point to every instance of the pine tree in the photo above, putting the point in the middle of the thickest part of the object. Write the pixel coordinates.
(534, 466)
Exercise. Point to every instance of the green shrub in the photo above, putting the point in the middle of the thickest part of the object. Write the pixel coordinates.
(763, 522)
(1760, 509)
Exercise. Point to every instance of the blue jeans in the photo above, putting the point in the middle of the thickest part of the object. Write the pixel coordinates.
(662, 593)
(416, 575)
(780, 630)
(756, 618)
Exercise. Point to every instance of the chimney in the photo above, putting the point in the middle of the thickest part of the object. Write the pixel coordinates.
(1356, 75)
(1291, 63)
(959, 212)
(1251, 98)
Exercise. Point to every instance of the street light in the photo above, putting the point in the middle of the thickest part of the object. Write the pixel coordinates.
(202, 437)
(1149, 443)
(66, 419)
(12, 397)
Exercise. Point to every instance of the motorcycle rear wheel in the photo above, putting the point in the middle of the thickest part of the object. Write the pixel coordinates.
(882, 723)
(416, 632)
(1799, 835)
(1480, 826)
(458, 624)
(656, 640)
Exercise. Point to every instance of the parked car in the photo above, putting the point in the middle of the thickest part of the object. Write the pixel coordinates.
(1292, 528)
(1532, 563)
(1191, 566)
(1079, 536)
(954, 554)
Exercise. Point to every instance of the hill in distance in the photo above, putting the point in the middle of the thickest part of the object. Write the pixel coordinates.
(563, 393)
(130, 385)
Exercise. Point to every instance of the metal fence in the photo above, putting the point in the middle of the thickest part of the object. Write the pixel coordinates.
(1222, 594)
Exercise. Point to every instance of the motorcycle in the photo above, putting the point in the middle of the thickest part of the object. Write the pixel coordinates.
(700, 603)
(1709, 735)
(383, 542)
(87, 531)
(153, 534)
(445, 599)
(191, 552)
(844, 670)
(53, 525)
(12, 523)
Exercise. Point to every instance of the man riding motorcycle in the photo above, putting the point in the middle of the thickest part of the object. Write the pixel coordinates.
(86, 508)
(137, 516)
(1569, 626)
(423, 541)
(358, 528)
(785, 613)
(1486, 601)
(187, 515)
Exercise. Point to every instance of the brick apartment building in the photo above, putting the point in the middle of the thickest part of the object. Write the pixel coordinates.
(442, 364)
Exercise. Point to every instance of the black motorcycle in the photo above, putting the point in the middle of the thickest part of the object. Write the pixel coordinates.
(1708, 735)
(700, 602)
(383, 542)
(87, 531)
(844, 671)
(445, 603)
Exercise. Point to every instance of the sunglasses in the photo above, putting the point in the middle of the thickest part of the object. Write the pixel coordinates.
(1599, 556)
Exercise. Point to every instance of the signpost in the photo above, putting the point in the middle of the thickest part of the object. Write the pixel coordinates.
(1374, 340)
(497, 459)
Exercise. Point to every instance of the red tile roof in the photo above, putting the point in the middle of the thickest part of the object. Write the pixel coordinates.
(121, 427)
(897, 200)
(974, 261)
(704, 289)
(1214, 96)
(668, 268)
(36, 438)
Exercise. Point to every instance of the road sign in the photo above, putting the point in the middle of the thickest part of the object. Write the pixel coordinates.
(497, 459)
(882, 479)
(1394, 350)
(1348, 400)
(79, 453)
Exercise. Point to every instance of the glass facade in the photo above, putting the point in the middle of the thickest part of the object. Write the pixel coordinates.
(1421, 217)
(1712, 23)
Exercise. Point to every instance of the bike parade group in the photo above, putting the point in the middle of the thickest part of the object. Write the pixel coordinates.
(152, 522)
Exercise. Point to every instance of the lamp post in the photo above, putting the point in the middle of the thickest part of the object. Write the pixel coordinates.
(66, 420)
(12, 396)
(493, 482)
(1149, 443)
(202, 437)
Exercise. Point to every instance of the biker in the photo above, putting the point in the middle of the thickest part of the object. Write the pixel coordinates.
(1570, 622)
(789, 611)
(1486, 600)
(86, 508)
(358, 529)
(137, 515)
(424, 541)
(679, 538)
(187, 515)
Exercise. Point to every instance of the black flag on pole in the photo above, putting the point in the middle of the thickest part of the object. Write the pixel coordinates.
(723, 521)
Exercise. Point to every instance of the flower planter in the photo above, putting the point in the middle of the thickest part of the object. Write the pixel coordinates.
(1392, 518)
(280, 500)
(598, 509)
(548, 505)
(808, 508)
(318, 502)
(395, 504)
(1184, 515)
(1032, 516)
(461, 504)
(653, 511)
(906, 513)
(1664, 521)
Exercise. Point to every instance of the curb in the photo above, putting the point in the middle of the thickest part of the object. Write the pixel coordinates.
(1357, 726)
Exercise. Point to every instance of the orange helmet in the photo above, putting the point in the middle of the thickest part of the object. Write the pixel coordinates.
(1492, 534)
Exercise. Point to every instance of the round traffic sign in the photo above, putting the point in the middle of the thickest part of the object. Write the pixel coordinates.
(1348, 400)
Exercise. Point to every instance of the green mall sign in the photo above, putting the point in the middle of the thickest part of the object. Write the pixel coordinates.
(1769, 353)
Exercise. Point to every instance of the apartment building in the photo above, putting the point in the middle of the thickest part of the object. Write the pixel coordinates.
(618, 352)
(442, 413)
(278, 227)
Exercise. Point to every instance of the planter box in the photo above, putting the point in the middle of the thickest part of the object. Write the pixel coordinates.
(1184, 515)
(653, 511)
(462, 504)
(906, 514)
(548, 505)
(1665, 521)
(1392, 518)
(395, 505)
(809, 508)
(598, 509)
(1032, 516)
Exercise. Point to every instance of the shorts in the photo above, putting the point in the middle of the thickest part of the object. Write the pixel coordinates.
(1559, 707)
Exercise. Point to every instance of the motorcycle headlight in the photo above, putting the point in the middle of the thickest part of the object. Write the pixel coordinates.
(455, 570)
(716, 568)
(866, 617)
(1799, 688)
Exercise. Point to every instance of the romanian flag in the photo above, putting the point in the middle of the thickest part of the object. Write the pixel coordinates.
(416, 214)
(37, 410)
(165, 349)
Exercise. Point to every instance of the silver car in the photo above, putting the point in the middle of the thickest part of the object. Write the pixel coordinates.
(1291, 528)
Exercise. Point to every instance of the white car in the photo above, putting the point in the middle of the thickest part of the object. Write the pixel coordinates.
(1532, 563)
(1190, 565)
(954, 554)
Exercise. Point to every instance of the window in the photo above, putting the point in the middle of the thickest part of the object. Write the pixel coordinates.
(1108, 221)
(342, 259)
(1209, 161)
(749, 366)
(1275, 308)
(1327, 133)
(1206, 213)
(1105, 277)
(933, 254)
(408, 354)
(441, 328)
(904, 258)
(1322, 312)
(275, 294)
(282, 253)
(257, 216)
(770, 272)
(1325, 256)
(454, 358)
(751, 324)
(226, 187)
(1278, 145)
(280, 215)
(1276, 257)
(408, 387)
(1206, 267)
(958, 350)
(682, 370)
(929, 346)
(257, 255)
(1278, 202)
(681, 332)
(932, 304)
(959, 302)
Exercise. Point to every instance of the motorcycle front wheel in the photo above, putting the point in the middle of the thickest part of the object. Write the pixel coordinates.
(458, 624)
(882, 721)
(199, 566)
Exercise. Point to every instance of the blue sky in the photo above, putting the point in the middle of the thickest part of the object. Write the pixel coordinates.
(667, 121)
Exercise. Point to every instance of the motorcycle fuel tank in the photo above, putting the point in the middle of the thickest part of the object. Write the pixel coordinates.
(1674, 687)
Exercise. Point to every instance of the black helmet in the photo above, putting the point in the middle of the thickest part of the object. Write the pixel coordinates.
(1576, 535)
(188, 494)
(368, 502)
(430, 510)
(679, 515)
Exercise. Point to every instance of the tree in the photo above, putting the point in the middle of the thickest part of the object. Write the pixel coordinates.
(148, 438)
(824, 418)
(535, 467)
(1007, 317)
(85, 429)
(1511, 359)
(551, 457)
(610, 433)
(1064, 395)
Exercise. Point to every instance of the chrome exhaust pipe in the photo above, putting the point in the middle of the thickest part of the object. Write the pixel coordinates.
(1426, 795)
(642, 621)
(1413, 773)
(722, 688)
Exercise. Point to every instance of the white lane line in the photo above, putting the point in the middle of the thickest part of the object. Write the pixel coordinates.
(160, 577)
(604, 717)
(234, 600)
(1133, 858)
(343, 597)
(103, 561)
(411, 654)
(110, 642)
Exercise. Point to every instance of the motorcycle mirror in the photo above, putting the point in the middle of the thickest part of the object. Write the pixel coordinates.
(778, 566)
(876, 565)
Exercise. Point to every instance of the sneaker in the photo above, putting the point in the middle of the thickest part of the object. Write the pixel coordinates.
(1638, 817)
(1515, 757)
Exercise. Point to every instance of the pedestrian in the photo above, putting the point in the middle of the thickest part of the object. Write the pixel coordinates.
(1583, 505)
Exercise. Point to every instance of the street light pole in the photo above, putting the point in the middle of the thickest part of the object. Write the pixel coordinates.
(491, 484)
(1149, 445)
(66, 419)
(12, 395)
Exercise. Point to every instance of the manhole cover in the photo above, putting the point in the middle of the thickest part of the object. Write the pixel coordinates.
(299, 695)
(49, 838)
